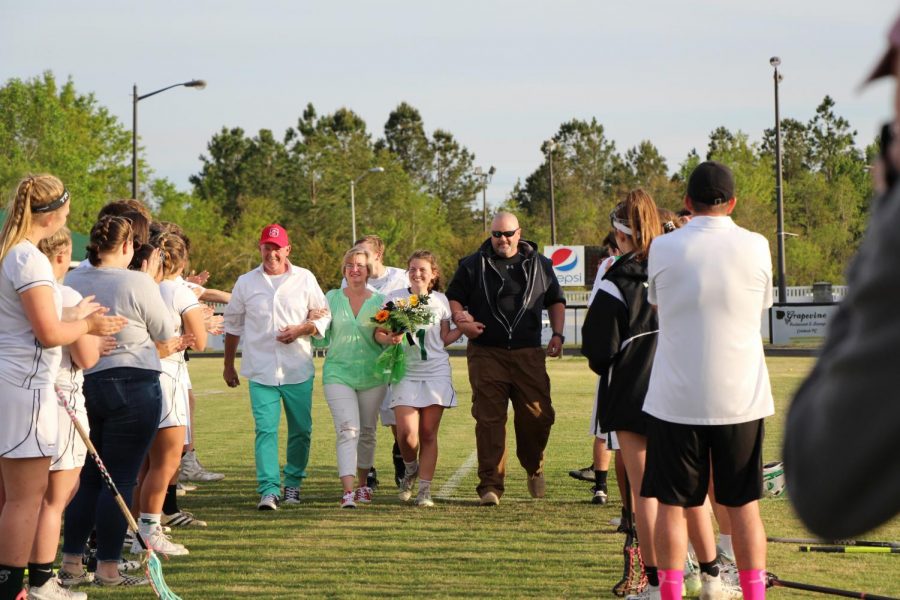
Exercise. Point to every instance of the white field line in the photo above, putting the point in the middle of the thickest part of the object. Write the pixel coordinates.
(453, 482)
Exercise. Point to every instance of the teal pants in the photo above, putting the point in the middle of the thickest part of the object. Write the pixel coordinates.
(265, 401)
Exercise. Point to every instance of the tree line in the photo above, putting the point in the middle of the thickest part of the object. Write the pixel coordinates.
(429, 193)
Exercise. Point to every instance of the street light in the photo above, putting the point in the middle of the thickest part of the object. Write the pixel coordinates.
(550, 145)
(194, 83)
(353, 183)
(485, 180)
(779, 193)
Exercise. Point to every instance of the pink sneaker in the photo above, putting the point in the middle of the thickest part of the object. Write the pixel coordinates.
(363, 495)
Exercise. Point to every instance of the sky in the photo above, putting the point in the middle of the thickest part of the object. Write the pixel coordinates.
(502, 76)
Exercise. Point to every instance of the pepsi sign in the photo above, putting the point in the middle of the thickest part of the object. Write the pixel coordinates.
(568, 264)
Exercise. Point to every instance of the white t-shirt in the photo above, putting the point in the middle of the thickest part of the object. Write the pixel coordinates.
(436, 361)
(392, 279)
(70, 377)
(23, 361)
(711, 281)
(179, 299)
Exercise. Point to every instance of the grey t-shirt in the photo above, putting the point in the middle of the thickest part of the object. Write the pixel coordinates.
(135, 296)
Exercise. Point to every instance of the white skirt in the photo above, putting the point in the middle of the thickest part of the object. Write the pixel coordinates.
(70, 448)
(421, 394)
(30, 422)
(174, 396)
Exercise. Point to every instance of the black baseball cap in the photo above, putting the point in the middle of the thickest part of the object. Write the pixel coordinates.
(711, 183)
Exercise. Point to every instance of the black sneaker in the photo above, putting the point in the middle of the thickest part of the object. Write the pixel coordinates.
(399, 465)
(585, 474)
(600, 496)
(372, 478)
(291, 495)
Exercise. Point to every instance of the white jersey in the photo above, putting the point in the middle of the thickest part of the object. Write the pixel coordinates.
(428, 359)
(24, 362)
(70, 378)
(392, 279)
(179, 299)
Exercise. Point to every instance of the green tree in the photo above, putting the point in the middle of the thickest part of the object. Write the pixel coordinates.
(47, 127)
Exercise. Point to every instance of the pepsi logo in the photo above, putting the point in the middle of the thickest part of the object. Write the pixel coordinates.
(564, 259)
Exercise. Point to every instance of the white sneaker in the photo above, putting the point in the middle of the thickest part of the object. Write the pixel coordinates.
(423, 498)
(713, 588)
(52, 590)
(348, 500)
(651, 592)
(161, 543)
(406, 485)
(363, 495)
(192, 470)
(268, 502)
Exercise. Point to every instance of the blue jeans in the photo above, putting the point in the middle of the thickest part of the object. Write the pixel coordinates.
(123, 407)
(265, 401)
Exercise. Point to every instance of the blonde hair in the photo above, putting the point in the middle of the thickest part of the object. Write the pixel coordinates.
(33, 191)
(173, 252)
(359, 251)
(55, 244)
(373, 240)
(639, 211)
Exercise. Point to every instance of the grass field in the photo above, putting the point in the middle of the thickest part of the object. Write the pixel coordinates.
(558, 547)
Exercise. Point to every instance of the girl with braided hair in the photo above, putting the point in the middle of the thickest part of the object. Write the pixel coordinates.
(123, 399)
(165, 452)
(33, 326)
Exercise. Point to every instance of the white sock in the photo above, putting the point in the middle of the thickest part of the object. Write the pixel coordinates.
(147, 523)
(725, 544)
(424, 486)
(411, 467)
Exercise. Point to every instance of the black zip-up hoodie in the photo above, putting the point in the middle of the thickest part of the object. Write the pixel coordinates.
(619, 341)
(477, 285)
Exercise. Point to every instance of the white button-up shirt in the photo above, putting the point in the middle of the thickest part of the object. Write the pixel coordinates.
(257, 312)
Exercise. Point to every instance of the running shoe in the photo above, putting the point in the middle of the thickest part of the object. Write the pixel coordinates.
(599, 494)
(423, 498)
(53, 590)
(161, 543)
(181, 519)
(406, 484)
(192, 470)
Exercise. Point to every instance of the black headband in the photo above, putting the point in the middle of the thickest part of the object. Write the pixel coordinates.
(52, 205)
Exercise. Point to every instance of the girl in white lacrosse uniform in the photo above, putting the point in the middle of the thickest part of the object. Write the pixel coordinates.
(419, 399)
(32, 330)
(165, 451)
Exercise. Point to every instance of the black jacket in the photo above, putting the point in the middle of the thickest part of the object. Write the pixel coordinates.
(477, 284)
(619, 341)
(842, 433)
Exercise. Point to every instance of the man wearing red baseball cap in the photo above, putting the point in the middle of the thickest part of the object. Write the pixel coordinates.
(852, 389)
(275, 308)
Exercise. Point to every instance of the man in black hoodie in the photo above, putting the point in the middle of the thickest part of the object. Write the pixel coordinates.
(496, 297)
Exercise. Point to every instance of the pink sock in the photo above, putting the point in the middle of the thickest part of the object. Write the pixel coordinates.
(753, 583)
(670, 582)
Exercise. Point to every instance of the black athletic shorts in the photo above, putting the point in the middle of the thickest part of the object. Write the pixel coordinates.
(679, 458)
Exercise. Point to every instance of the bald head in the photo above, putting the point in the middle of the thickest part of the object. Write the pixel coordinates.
(505, 234)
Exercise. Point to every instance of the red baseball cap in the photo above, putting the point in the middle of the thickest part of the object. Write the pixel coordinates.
(885, 66)
(274, 234)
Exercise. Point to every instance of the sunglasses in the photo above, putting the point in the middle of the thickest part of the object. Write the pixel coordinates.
(506, 234)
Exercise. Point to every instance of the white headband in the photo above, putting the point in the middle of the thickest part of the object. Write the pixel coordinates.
(623, 228)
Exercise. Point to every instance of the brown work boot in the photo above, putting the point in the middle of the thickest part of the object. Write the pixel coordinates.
(536, 485)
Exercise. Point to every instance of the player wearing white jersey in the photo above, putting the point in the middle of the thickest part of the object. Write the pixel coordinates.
(419, 399)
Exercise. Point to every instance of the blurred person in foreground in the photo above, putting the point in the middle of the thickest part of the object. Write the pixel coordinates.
(850, 390)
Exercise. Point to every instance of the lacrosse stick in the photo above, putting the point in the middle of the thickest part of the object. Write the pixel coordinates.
(773, 581)
(152, 566)
(851, 549)
(634, 577)
(873, 544)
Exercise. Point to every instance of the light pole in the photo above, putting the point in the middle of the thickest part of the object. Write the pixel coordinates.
(353, 183)
(485, 180)
(779, 193)
(194, 83)
(551, 146)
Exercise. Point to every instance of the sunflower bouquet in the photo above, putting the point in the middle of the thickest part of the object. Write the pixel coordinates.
(402, 315)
